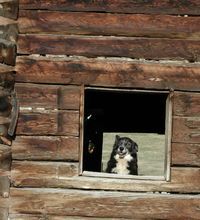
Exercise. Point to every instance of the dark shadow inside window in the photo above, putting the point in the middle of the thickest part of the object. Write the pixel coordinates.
(118, 111)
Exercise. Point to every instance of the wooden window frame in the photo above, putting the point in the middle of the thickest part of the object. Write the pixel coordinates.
(168, 136)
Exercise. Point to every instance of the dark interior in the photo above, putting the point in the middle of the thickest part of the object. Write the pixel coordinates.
(118, 111)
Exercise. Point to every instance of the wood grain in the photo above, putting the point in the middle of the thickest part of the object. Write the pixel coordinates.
(7, 52)
(147, 48)
(121, 6)
(108, 24)
(5, 152)
(43, 174)
(48, 97)
(4, 208)
(53, 217)
(186, 130)
(186, 104)
(104, 204)
(8, 29)
(120, 73)
(4, 187)
(9, 8)
(48, 123)
(50, 173)
(186, 154)
(7, 78)
(45, 148)
(6, 70)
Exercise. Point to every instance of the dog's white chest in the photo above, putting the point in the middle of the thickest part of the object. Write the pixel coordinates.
(122, 165)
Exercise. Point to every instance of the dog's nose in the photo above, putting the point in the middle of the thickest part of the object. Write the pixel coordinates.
(121, 148)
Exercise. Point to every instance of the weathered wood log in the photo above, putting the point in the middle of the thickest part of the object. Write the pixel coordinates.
(6, 79)
(5, 167)
(186, 104)
(5, 69)
(7, 52)
(4, 120)
(48, 97)
(104, 204)
(109, 73)
(4, 94)
(186, 154)
(3, 213)
(108, 24)
(5, 103)
(45, 148)
(14, 114)
(28, 216)
(48, 122)
(191, 7)
(5, 140)
(4, 207)
(9, 8)
(50, 173)
(186, 129)
(52, 217)
(8, 29)
(146, 48)
(43, 174)
(5, 152)
(4, 187)
(3, 130)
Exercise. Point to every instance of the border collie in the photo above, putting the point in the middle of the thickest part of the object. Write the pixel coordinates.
(123, 159)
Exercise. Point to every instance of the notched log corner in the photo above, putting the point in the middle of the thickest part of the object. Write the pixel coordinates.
(9, 110)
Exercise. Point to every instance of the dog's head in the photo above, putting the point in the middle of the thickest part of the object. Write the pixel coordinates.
(124, 146)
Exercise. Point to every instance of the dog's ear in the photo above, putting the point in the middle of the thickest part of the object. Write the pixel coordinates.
(117, 137)
(134, 147)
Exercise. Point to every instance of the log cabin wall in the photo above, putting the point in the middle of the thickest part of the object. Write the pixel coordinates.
(8, 104)
(63, 45)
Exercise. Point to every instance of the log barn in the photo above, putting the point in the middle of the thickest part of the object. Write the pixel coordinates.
(59, 60)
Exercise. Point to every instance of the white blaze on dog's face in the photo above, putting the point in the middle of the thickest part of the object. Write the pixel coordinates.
(125, 146)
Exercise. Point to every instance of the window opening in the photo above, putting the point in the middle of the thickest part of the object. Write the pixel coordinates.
(142, 116)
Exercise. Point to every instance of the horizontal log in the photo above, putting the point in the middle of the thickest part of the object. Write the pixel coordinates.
(3, 213)
(5, 152)
(4, 202)
(186, 130)
(9, 8)
(108, 24)
(3, 120)
(27, 216)
(43, 174)
(4, 188)
(48, 97)
(7, 52)
(49, 173)
(104, 204)
(108, 72)
(7, 79)
(45, 148)
(151, 7)
(146, 48)
(52, 217)
(186, 154)
(186, 104)
(5, 69)
(48, 123)
(8, 29)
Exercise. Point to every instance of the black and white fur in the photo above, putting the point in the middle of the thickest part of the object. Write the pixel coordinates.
(123, 159)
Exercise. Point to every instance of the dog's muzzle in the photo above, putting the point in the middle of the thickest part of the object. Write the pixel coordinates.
(122, 151)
